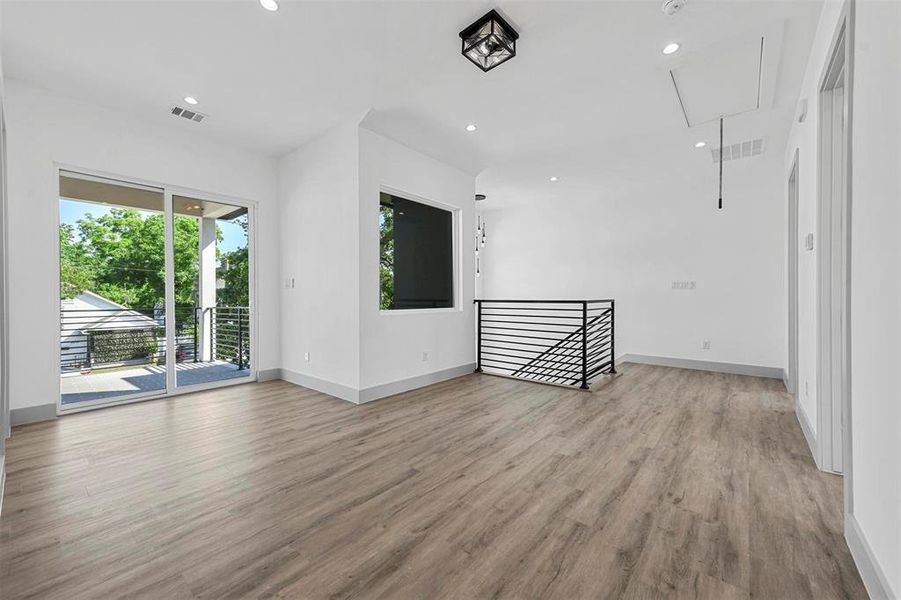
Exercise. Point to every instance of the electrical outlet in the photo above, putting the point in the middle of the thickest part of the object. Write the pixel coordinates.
(684, 285)
(425, 357)
(289, 283)
(306, 356)
(705, 345)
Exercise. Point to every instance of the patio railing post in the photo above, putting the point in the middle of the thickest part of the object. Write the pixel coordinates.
(240, 341)
(195, 333)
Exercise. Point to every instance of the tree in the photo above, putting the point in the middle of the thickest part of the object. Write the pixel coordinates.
(386, 256)
(121, 256)
(235, 275)
(76, 272)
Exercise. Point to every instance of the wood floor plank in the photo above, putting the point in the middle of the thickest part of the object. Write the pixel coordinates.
(662, 483)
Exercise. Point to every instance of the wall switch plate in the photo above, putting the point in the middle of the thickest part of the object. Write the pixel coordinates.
(306, 356)
(705, 345)
(425, 357)
(808, 242)
(289, 283)
(684, 285)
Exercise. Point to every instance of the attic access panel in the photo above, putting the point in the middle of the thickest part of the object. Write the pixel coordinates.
(723, 80)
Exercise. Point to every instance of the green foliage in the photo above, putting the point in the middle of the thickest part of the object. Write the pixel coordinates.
(386, 256)
(76, 269)
(235, 274)
(121, 256)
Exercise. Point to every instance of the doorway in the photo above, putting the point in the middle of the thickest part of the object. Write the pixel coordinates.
(155, 291)
(791, 382)
(833, 315)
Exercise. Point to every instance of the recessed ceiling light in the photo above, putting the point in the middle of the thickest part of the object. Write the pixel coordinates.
(554, 178)
(700, 144)
(269, 5)
(190, 99)
(670, 48)
(471, 127)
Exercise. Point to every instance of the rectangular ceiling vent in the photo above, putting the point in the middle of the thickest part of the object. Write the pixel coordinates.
(740, 150)
(186, 113)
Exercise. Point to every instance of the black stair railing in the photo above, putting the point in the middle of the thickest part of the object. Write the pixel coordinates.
(562, 342)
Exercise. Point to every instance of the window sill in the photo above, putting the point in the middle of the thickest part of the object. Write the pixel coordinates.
(417, 311)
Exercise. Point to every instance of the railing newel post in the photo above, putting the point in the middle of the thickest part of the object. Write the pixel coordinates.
(584, 344)
(612, 337)
(478, 304)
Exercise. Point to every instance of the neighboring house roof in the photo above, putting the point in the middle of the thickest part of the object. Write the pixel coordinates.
(91, 312)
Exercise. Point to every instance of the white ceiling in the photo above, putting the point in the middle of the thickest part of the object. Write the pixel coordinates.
(589, 82)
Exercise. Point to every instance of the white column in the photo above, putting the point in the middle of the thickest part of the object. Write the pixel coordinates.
(207, 279)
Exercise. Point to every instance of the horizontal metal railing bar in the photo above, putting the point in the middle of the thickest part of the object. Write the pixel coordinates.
(599, 369)
(526, 350)
(560, 362)
(537, 376)
(518, 343)
(539, 312)
(567, 371)
(522, 301)
(563, 324)
(546, 309)
(550, 310)
(528, 337)
(534, 316)
(565, 332)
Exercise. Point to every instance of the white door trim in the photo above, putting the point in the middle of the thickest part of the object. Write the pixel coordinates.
(169, 191)
(833, 257)
(793, 255)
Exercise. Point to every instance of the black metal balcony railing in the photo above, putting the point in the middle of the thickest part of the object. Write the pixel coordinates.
(98, 338)
(563, 342)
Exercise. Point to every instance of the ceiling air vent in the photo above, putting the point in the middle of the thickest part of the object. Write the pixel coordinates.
(187, 113)
(741, 150)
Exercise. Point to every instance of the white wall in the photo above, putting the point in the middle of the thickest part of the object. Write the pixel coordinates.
(875, 270)
(392, 343)
(329, 193)
(44, 128)
(319, 220)
(803, 139)
(876, 283)
(630, 242)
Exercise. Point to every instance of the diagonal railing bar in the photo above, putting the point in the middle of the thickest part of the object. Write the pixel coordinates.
(564, 342)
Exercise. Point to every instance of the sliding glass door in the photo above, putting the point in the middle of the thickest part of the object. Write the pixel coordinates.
(212, 291)
(155, 291)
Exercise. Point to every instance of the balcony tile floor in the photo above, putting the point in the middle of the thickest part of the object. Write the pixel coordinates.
(76, 387)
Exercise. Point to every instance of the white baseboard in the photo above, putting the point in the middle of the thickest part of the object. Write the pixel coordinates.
(269, 375)
(870, 570)
(2, 480)
(375, 392)
(411, 383)
(338, 390)
(704, 365)
(32, 414)
(807, 430)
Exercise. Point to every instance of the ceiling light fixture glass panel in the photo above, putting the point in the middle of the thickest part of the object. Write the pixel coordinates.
(489, 41)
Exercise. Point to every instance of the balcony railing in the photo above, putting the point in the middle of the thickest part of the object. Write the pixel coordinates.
(107, 338)
(563, 342)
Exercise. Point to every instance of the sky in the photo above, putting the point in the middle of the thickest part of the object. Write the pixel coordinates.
(71, 211)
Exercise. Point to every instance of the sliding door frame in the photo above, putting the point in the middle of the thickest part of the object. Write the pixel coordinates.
(168, 217)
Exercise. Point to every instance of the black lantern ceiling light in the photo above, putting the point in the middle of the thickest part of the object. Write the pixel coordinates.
(489, 41)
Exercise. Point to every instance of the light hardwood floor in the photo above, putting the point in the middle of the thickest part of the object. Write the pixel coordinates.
(663, 483)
